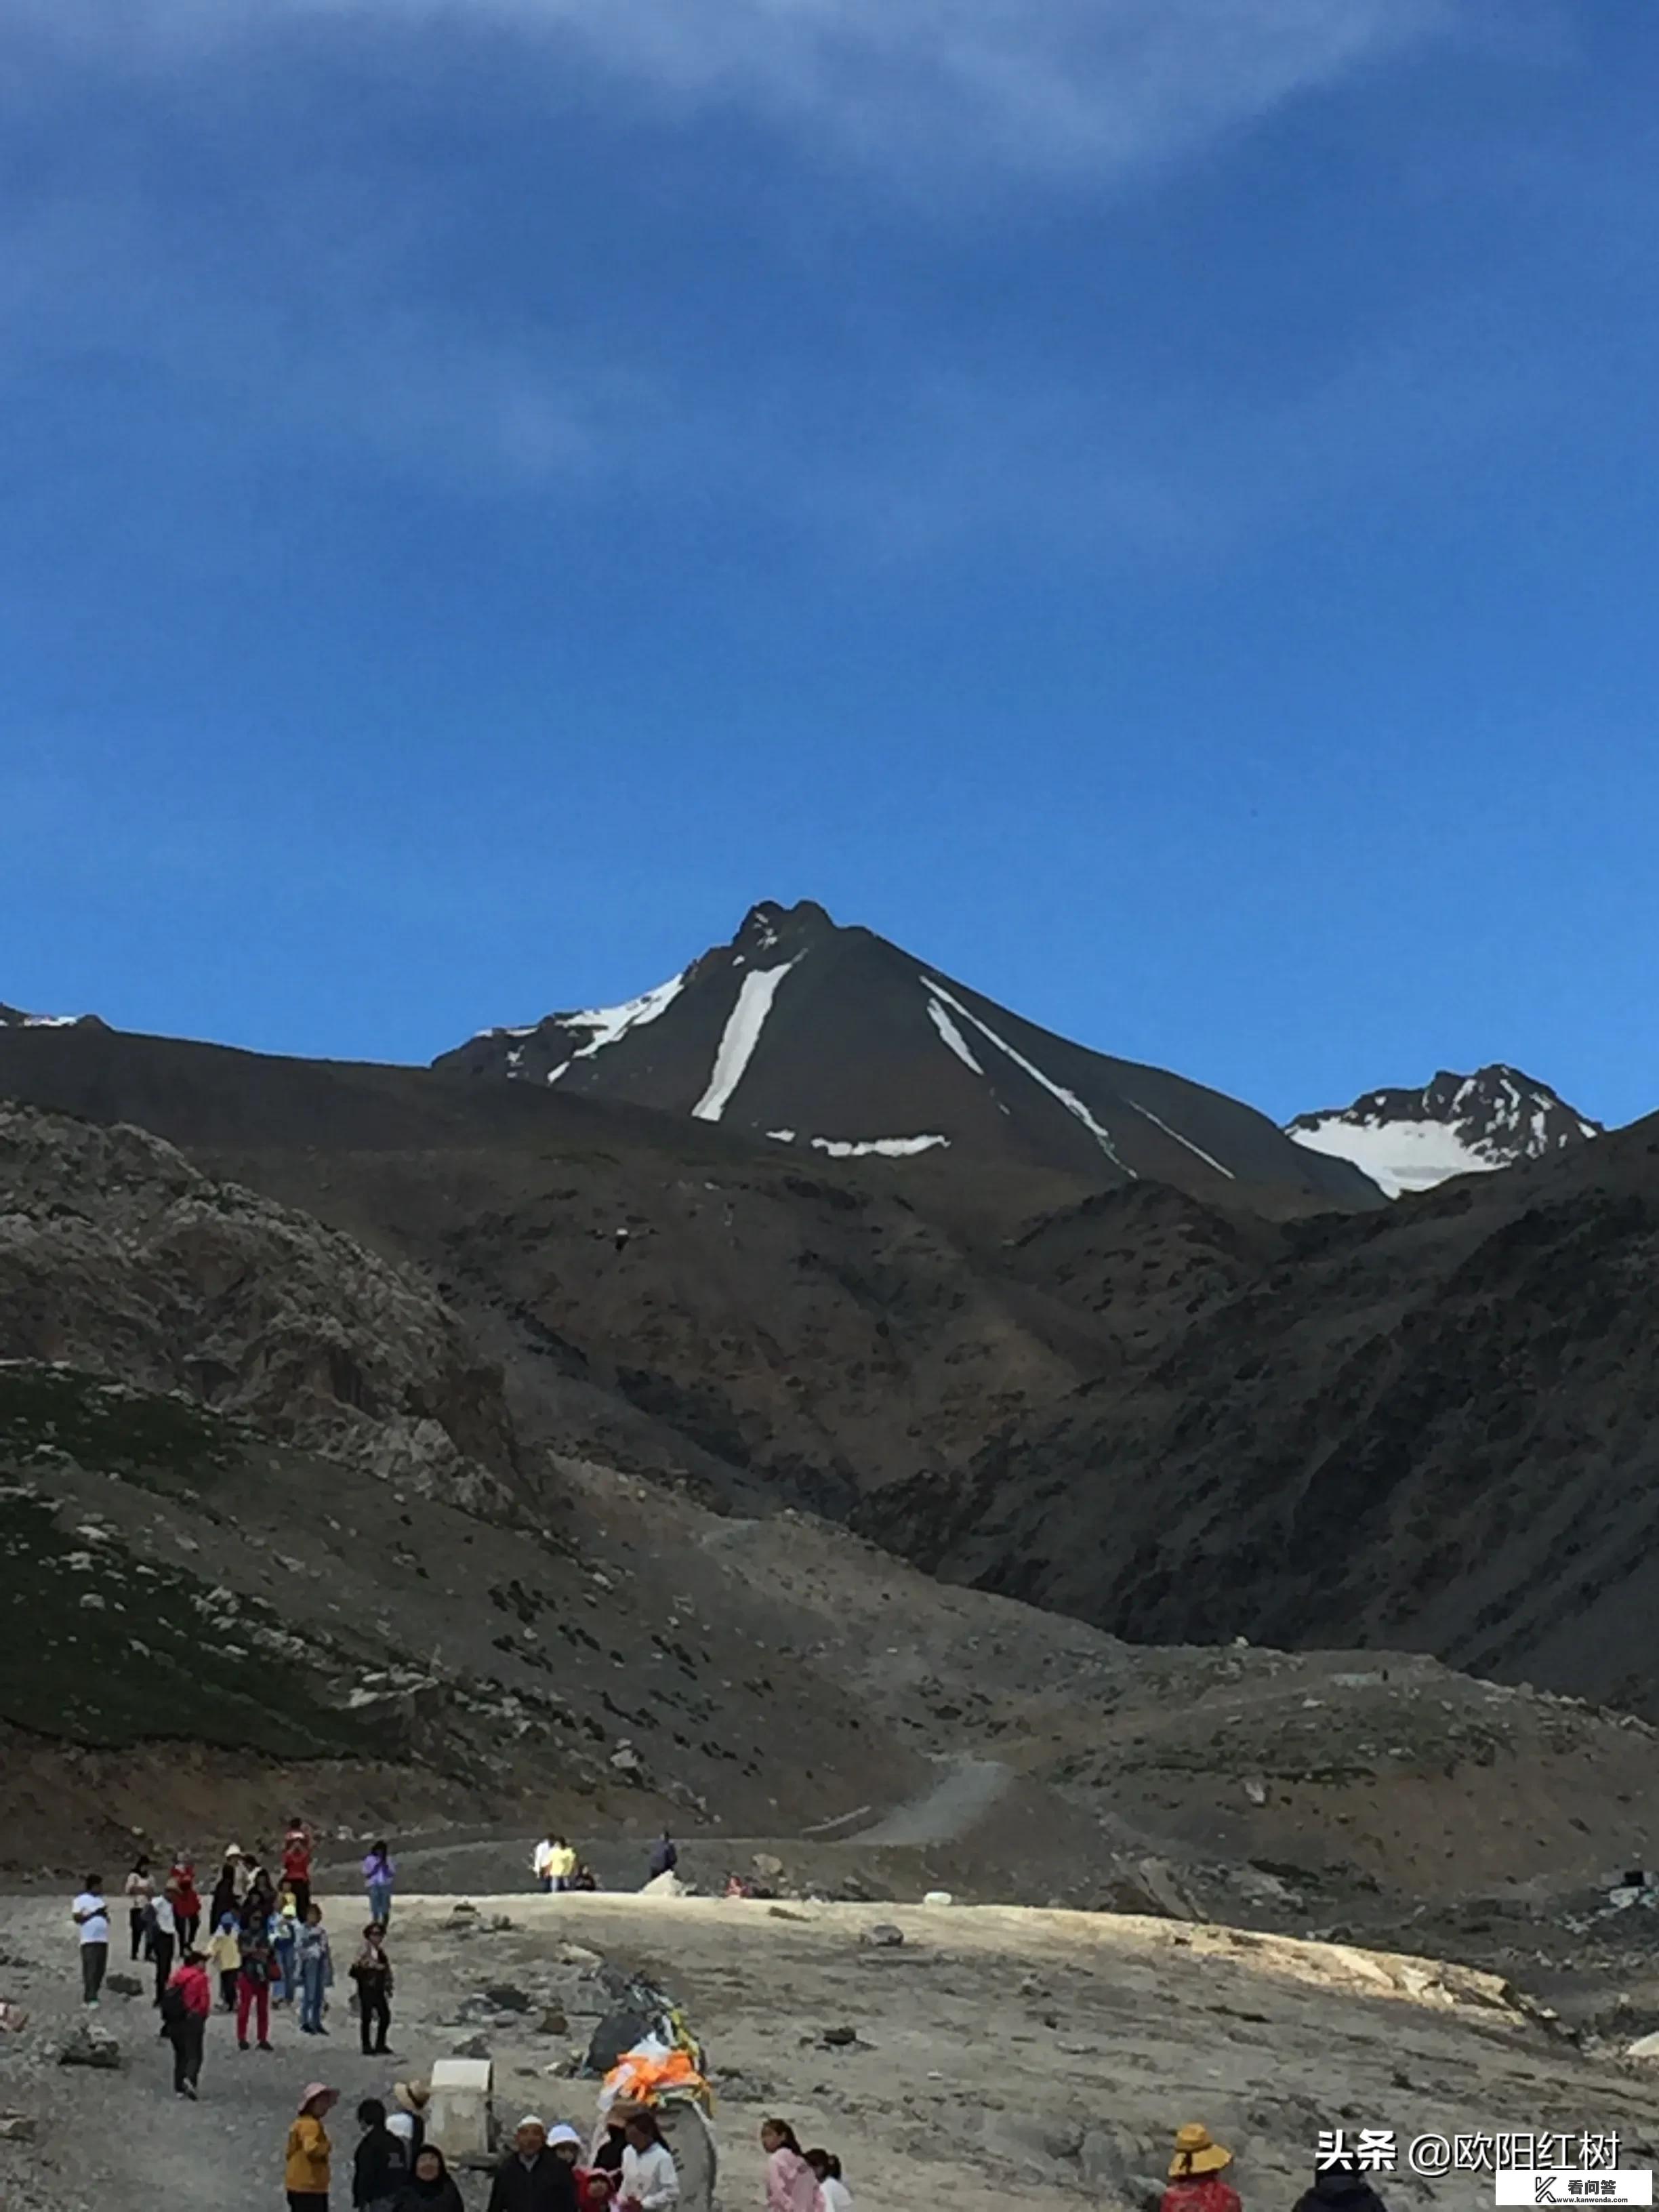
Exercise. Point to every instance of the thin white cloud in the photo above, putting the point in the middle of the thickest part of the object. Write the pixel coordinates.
(1101, 86)
(343, 334)
(364, 358)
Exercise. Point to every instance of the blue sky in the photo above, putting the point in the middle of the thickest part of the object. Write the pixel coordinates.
(1149, 504)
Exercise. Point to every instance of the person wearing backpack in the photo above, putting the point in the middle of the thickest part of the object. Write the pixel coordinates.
(253, 1982)
(185, 2003)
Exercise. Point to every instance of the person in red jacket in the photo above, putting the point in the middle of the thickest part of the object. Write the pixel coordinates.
(296, 1866)
(1195, 2171)
(185, 2003)
(186, 1901)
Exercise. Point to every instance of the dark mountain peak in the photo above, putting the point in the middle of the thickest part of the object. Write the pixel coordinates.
(833, 1041)
(770, 926)
(1407, 1140)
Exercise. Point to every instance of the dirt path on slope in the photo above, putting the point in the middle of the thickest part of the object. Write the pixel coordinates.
(965, 1792)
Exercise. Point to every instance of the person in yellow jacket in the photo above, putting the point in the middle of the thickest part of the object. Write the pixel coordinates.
(224, 1956)
(306, 2173)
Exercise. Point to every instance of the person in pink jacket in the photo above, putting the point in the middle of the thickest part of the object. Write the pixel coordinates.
(791, 2184)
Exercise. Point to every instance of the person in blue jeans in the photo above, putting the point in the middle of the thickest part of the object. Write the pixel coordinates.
(314, 1963)
(378, 1874)
(284, 1940)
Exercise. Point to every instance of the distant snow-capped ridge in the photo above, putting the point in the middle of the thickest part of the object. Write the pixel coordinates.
(1456, 1125)
(14, 1018)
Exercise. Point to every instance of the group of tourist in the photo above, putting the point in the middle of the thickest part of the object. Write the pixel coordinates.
(630, 2167)
(555, 1866)
(266, 1948)
(268, 1945)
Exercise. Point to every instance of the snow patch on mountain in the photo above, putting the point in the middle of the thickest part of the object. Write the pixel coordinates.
(740, 1036)
(604, 1024)
(1398, 1156)
(14, 1018)
(859, 1148)
(1197, 1151)
(607, 1024)
(1068, 1099)
(952, 1035)
(890, 1148)
(51, 1021)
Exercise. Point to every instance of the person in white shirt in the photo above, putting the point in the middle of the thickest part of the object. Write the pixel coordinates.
(140, 1888)
(837, 2197)
(541, 1863)
(91, 1917)
(163, 1935)
(650, 2179)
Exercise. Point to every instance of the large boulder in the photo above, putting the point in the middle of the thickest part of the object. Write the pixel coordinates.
(619, 2031)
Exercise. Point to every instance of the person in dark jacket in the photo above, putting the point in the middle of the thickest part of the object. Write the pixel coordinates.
(259, 1905)
(1340, 2187)
(380, 2166)
(430, 2188)
(532, 2178)
(371, 1972)
(665, 1856)
(608, 2158)
(225, 1899)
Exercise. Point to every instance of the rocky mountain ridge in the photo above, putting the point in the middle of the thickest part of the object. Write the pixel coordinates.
(1408, 1140)
(14, 1018)
(1432, 1429)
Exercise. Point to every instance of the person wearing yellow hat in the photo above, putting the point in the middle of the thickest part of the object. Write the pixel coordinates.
(1195, 2171)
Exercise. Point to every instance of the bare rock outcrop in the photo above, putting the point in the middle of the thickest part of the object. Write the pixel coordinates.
(119, 1257)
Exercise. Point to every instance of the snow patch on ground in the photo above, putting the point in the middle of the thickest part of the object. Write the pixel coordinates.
(737, 1042)
(1068, 1099)
(1397, 1156)
(952, 1035)
(10, 1018)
